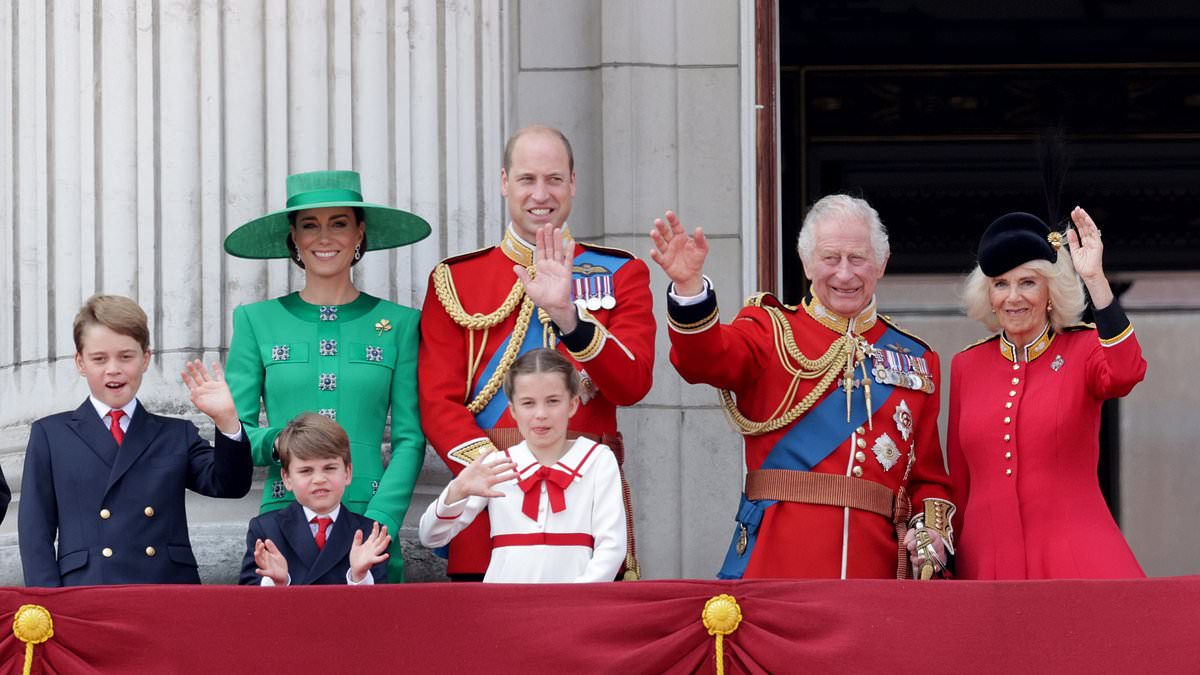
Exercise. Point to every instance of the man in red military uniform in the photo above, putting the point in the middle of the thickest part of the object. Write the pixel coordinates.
(537, 288)
(837, 405)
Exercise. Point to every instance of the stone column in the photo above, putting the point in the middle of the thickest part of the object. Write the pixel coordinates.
(136, 134)
(651, 96)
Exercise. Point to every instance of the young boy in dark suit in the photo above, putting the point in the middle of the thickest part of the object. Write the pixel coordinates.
(315, 540)
(108, 479)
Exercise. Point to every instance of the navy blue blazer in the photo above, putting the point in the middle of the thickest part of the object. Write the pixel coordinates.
(308, 565)
(118, 512)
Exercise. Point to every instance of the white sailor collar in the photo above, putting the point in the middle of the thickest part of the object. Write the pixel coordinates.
(571, 462)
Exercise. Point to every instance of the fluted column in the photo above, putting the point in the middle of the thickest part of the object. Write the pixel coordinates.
(136, 134)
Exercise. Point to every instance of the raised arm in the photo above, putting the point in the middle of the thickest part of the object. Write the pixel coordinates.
(1116, 365)
(1087, 255)
(680, 255)
(211, 396)
(463, 499)
(615, 347)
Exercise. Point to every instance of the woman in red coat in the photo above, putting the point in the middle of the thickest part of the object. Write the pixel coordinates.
(1025, 407)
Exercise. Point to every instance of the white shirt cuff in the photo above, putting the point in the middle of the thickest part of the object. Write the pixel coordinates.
(367, 580)
(686, 300)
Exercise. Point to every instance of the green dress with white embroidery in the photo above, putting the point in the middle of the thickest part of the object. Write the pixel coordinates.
(350, 363)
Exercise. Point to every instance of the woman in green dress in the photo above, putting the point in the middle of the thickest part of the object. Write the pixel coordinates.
(330, 348)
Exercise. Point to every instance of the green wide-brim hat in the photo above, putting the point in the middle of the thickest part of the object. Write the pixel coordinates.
(266, 237)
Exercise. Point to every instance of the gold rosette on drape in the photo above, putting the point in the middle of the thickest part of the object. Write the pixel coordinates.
(721, 616)
(32, 625)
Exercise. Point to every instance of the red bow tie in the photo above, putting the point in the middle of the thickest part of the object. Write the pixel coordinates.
(556, 482)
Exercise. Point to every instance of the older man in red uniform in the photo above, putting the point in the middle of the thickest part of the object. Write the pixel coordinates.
(838, 407)
(537, 288)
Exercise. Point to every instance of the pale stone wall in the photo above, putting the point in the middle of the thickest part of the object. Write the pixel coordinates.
(136, 134)
(650, 94)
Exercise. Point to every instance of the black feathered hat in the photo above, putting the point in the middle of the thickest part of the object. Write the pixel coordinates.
(1015, 239)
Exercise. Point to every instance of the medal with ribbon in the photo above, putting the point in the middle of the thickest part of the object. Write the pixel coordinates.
(901, 370)
(580, 299)
(607, 299)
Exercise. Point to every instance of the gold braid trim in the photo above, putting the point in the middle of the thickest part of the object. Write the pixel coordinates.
(510, 354)
(828, 367)
(447, 294)
(443, 285)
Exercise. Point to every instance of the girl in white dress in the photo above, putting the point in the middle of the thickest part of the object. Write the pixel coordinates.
(556, 507)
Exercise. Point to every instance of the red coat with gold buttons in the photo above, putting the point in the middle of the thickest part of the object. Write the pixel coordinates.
(1023, 445)
(613, 350)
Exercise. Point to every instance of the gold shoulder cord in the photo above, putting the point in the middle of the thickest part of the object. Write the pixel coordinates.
(827, 368)
(447, 294)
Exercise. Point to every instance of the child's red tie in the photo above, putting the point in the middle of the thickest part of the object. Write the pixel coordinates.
(323, 523)
(117, 432)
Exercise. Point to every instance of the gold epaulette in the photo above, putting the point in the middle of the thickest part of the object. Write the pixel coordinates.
(896, 327)
(982, 341)
(610, 250)
(1082, 325)
(467, 256)
(766, 299)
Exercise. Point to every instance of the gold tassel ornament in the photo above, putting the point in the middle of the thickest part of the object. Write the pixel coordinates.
(721, 616)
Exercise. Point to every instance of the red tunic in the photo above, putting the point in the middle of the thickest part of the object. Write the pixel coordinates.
(1023, 449)
(619, 362)
(804, 540)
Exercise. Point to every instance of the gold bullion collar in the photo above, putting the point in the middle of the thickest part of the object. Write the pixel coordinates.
(520, 251)
(1032, 350)
(858, 325)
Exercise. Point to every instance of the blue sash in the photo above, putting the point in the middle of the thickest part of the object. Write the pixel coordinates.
(487, 418)
(811, 439)
(534, 338)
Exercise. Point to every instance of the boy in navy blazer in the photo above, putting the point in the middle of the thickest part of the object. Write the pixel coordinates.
(315, 540)
(108, 479)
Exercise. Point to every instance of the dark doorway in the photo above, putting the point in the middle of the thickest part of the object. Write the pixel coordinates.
(932, 112)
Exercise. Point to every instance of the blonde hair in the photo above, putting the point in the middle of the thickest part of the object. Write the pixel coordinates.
(542, 361)
(1064, 286)
(313, 436)
(116, 313)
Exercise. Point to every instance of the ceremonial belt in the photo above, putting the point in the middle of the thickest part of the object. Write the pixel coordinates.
(807, 487)
(543, 539)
